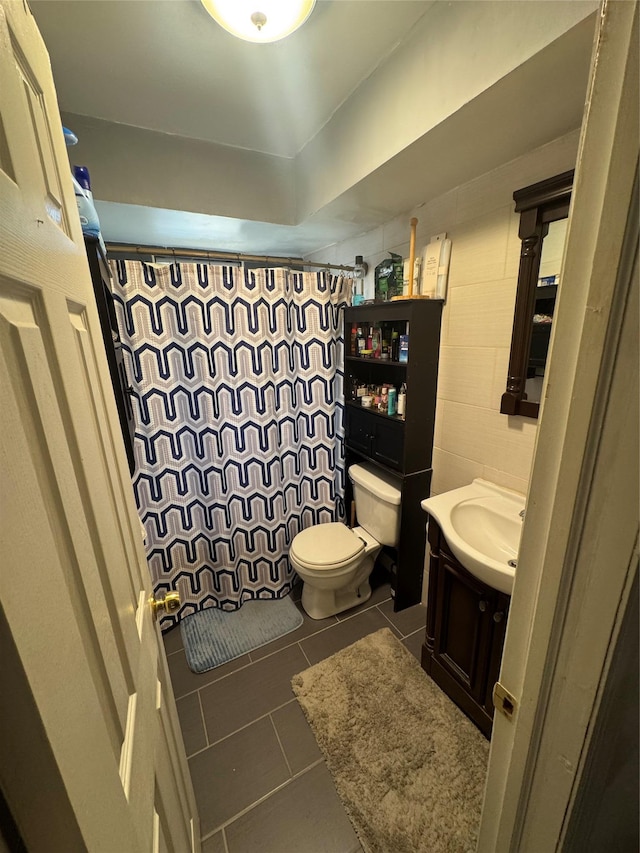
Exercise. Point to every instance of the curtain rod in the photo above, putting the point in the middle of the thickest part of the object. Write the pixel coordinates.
(124, 248)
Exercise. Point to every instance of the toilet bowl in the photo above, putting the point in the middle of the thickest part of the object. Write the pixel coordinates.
(334, 561)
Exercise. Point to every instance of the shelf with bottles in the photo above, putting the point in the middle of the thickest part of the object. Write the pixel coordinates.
(384, 399)
(381, 414)
(385, 341)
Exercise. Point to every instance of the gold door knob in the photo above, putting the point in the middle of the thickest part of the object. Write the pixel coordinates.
(169, 603)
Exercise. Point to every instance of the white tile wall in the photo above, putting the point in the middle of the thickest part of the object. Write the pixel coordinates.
(472, 438)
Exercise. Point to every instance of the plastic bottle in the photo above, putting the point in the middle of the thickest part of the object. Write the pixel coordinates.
(359, 272)
(375, 342)
(393, 401)
(88, 216)
(354, 340)
(395, 342)
(402, 400)
(84, 199)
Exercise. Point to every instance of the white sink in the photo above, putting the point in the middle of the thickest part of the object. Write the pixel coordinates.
(482, 525)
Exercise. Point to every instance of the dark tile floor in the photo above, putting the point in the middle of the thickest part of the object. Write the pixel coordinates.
(260, 781)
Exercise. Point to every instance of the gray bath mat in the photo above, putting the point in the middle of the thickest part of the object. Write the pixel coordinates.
(408, 765)
(213, 637)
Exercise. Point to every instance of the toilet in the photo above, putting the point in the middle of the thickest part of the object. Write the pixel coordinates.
(334, 561)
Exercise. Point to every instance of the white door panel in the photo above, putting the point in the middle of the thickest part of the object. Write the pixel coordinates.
(74, 583)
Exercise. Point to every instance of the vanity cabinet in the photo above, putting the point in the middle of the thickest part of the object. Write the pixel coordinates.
(466, 624)
(402, 445)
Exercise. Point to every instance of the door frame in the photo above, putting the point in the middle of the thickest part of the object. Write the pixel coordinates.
(567, 609)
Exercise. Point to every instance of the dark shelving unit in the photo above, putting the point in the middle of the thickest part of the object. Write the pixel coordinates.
(402, 446)
(101, 279)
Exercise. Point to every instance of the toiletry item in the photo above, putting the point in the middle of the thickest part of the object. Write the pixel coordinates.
(361, 268)
(84, 199)
(383, 403)
(360, 341)
(384, 346)
(351, 387)
(403, 352)
(370, 339)
(392, 406)
(359, 272)
(395, 345)
(81, 174)
(69, 136)
(443, 270)
(88, 217)
(375, 342)
(367, 401)
(362, 390)
(354, 339)
(402, 400)
(388, 278)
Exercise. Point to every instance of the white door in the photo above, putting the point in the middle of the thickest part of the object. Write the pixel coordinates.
(578, 553)
(91, 754)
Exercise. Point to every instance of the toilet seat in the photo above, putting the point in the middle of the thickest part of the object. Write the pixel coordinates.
(326, 546)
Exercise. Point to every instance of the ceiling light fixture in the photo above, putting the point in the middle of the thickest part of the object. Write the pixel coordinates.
(260, 20)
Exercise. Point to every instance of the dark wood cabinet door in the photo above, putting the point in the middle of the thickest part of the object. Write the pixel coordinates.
(375, 436)
(358, 429)
(499, 629)
(388, 442)
(463, 628)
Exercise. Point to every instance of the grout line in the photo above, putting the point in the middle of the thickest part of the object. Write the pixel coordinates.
(304, 654)
(275, 652)
(266, 796)
(242, 728)
(251, 662)
(363, 610)
(204, 722)
(174, 652)
(394, 627)
(284, 755)
(224, 840)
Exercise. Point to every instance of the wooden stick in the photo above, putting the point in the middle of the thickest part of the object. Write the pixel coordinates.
(412, 254)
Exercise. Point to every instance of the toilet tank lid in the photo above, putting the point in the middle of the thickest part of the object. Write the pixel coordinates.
(326, 545)
(379, 482)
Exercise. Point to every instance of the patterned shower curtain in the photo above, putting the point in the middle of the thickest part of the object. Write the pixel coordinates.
(239, 441)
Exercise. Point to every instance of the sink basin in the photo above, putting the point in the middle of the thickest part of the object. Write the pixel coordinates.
(482, 525)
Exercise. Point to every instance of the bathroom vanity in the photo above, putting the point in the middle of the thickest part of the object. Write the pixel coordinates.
(399, 443)
(466, 624)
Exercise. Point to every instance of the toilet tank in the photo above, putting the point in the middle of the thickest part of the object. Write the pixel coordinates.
(377, 496)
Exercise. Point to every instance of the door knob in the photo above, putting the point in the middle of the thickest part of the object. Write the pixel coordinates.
(169, 603)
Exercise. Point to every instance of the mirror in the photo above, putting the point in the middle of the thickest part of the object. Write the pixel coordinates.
(543, 208)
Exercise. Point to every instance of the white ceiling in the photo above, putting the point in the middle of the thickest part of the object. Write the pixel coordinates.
(166, 66)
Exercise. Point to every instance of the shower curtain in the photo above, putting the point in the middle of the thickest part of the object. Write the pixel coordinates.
(239, 439)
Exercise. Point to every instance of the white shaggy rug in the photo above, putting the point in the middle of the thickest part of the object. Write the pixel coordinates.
(408, 765)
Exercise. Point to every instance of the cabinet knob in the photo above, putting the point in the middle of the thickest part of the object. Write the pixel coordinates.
(498, 616)
(482, 605)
